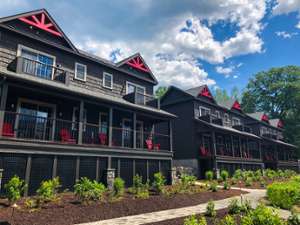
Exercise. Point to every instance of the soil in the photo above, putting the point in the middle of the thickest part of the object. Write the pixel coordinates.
(69, 211)
(210, 221)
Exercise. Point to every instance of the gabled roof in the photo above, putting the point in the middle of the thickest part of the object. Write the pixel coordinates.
(137, 62)
(261, 116)
(230, 104)
(276, 123)
(202, 90)
(41, 19)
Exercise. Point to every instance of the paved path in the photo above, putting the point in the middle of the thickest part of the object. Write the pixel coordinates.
(253, 195)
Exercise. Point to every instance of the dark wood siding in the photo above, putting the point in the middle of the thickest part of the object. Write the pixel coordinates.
(141, 169)
(66, 171)
(87, 167)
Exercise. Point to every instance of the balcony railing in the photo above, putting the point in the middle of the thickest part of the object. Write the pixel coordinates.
(29, 127)
(41, 70)
(143, 99)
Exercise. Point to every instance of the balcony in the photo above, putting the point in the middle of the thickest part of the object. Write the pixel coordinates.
(41, 70)
(26, 127)
(143, 99)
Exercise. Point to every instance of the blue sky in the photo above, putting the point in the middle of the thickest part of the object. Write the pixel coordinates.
(186, 43)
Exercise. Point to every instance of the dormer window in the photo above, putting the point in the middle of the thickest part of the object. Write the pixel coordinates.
(80, 72)
(204, 111)
(107, 80)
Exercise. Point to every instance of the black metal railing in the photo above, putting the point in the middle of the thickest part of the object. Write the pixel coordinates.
(143, 99)
(42, 70)
(30, 127)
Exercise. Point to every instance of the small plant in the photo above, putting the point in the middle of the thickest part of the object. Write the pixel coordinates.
(192, 220)
(158, 183)
(248, 182)
(118, 187)
(209, 175)
(88, 190)
(210, 209)
(294, 219)
(234, 207)
(238, 174)
(226, 185)
(224, 175)
(187, 181)
(234, 181)
(139, 189)
(213, 186)
(14, 189)
(227, 220)
(31, 204)
(48, 190)
(246, 206)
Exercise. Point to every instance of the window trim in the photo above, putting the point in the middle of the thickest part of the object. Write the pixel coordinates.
(205, 108)
(19, 54)
(237, 119)
(73, 127)
(228, 121)
(85, 71)
(100, 117)
(112, 80)
(134, 84)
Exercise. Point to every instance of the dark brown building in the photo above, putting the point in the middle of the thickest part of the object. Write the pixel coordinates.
(67, 113)
(210, 135)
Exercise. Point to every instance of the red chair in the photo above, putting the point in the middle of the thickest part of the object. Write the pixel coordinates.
(149, 144)
(203, 151)
(66, 136)
(103, 138)
(156, 146)
(7, 130)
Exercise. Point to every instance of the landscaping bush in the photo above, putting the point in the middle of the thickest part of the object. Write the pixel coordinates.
(234, 207)
(227, 220)
(48, 190)
(262, 216)
(257, 175)
(139, 189)
(213, 186)
(187, 181)
(158, 183)
(270, 174)
(88, 190)
(248, 182)
(224, 175)
(210, 209)
(209, 175)
(294, 219)
(192, 220)
(238, 174)
(284, 195)
(118, 187)
(14, 189)
(245, 206)
(226, 185)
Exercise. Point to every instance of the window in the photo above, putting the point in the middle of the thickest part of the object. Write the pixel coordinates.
(103, 123)
(107, 80)
(204, 111)
(36, 63)
(226, 120)
(140, 90)
(218, 114)
(80, 71)
(236, 121)
(75, 118)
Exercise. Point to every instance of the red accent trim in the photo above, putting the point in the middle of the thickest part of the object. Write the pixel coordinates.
(265, 118)
(205, 92)
(280, 124)
(236, 105)
(138, 64)
(39, 21)
(8, 130)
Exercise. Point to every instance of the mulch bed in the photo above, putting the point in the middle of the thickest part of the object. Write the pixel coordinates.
(210, 221)
(69, 211)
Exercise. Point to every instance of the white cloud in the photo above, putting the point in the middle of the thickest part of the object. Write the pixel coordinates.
(225, 70)
(235, 76)
(285, 35)
(286, 7)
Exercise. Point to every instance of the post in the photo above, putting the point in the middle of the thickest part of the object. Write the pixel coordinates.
(170, 136)
(213, 137)
(110, 127)
(54, 169)
(232, 147)
(260, 151)
(133, 167)
(134, 130)
(81, 115)
(97, 169)
(240, 145)
(147, 168)
(4, 91)
(110, 174)
(77, 168)
(27, 174)
(1, 174)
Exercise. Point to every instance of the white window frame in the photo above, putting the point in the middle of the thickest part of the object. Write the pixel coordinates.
(19, 54)
(103, 80)
(134, 84)
(202, 107)
(85, 71)
(218, 115)
(227, 121)
(237, 119)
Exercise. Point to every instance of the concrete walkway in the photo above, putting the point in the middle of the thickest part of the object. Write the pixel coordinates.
(254, 195)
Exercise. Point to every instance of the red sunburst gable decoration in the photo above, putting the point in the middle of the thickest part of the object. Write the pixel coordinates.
(137, 63)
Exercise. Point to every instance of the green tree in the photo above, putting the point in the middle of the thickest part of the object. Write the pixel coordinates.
(160, 91)
(221, 95)
(276, 91)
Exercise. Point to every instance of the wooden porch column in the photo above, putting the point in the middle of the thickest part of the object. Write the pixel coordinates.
(4, 90)
(170, 136)
(240, 144)
(54, 169)
(134, 130)
(27, 174)
(81, 115)
(213, 138)
(232, 147)
(110, 128)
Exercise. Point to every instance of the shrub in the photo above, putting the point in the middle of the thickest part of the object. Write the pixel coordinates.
(262, 216)
(228, 220)
(246, 206)
(238, 174)
(284, 195)
(118, 187)
(139, 189)
(234, 207)
(187, 181)
(213, 186)
(226, 185)
(270, 174)
(234, 181)
(48, 190)
(248, 182)
(258, 175)
(224, 175)
(294, 219)
(14, 189)
(210, 209)
(209, 175)
(159, 182)
(88, 190)
(31, 204)
(192, 220)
